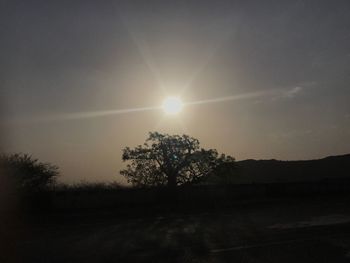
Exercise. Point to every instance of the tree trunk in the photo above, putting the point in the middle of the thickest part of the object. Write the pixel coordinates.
(171, 192)
(172, 181)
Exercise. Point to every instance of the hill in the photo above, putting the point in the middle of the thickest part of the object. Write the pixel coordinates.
(270, 171)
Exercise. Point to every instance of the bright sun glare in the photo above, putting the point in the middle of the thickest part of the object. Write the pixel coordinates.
(172, 105)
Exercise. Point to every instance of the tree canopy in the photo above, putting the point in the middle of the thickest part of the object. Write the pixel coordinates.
(28, 173)
(170, 160)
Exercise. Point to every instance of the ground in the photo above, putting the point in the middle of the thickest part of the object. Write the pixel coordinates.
(284, 230)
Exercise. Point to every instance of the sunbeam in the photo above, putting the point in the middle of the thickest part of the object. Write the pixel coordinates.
(94, 114)
(217, 45)
(249, 95)
(143, 49)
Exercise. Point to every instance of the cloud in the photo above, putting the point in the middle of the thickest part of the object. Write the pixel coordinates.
(292, 93)
(286, 93)
(297, 89)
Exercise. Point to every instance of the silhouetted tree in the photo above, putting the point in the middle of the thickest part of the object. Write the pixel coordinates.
(28, 173)
(170, 160)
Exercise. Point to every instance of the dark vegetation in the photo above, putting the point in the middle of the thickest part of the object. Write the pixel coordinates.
(186, 204)
(173, 170)
(27, 173)
(172, 160)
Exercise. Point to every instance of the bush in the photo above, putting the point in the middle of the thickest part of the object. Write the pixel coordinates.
(28, 173)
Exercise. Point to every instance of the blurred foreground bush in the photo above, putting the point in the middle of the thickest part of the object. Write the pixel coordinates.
(28, 174)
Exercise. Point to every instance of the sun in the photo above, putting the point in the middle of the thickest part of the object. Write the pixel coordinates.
(172, 105)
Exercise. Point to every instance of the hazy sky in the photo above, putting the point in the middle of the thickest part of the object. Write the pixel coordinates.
(277, 74)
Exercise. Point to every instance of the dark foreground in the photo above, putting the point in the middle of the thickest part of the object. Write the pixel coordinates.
(284, 230)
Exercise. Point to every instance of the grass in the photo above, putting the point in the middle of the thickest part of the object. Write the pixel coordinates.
(192, 236)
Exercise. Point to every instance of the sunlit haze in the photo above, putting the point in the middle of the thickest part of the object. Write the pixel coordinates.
(172, 105)
(81, 80)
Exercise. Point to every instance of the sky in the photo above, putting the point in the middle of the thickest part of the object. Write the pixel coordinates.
(80, 80)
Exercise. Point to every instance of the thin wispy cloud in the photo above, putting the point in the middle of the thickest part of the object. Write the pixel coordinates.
(292, 93)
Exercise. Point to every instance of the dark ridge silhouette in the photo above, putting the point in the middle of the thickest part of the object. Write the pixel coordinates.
(275, 171)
